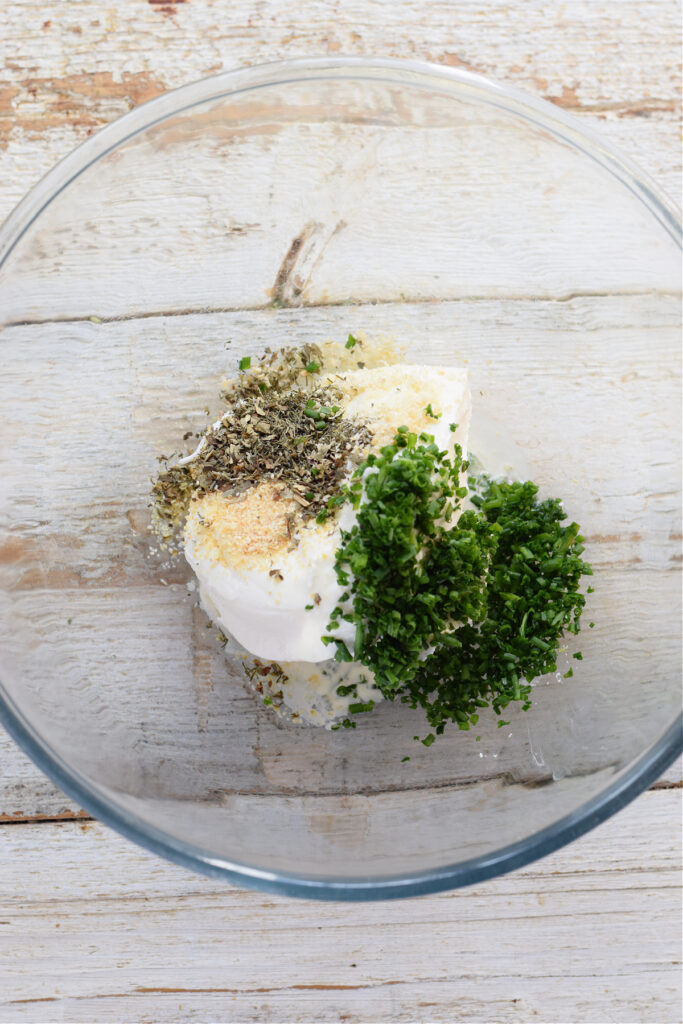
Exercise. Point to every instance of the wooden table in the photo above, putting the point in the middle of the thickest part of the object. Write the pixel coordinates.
(91, 928)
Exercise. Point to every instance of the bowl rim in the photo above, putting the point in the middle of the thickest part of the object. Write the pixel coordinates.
(241, 79)
(621, 792)
(430, 77)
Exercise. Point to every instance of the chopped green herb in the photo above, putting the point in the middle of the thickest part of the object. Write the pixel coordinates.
(344, 691)
(351, 341)
(430, 412)
(404, 759)
(568, 674)
(309, 607)
(245, 362)
(360, 707)
(454, 619)
(312, 367)
(578, 655)
(342, 653)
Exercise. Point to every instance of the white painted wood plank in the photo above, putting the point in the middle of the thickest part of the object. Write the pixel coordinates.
(673, 776)
(26, 794)
(149, 679)
(616, 62)
(37, 103)
(489, 208)
(543, 366)
(154, 942)
(635, 40)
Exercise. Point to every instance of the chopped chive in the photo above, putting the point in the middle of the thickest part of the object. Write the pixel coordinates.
(342, 653)
(344, 691)
(506, 573)
(360, 708)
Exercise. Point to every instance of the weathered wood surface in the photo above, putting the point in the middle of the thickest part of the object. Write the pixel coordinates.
(69, 68)
(91, 927)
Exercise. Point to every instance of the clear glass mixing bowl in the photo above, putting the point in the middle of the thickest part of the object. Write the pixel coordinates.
(295, 202)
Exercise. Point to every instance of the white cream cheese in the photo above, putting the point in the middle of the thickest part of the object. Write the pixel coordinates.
(319, 693)
(272, 591)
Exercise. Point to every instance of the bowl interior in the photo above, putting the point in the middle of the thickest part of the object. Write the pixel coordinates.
(267, 208)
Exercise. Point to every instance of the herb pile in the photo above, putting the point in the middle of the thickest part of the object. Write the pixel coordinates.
(282, 424)
(453, 619)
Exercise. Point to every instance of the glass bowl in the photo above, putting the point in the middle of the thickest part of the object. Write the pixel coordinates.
(296, 202)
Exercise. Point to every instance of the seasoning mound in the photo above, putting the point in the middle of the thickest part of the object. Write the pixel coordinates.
(284, 423)
(246, 529)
